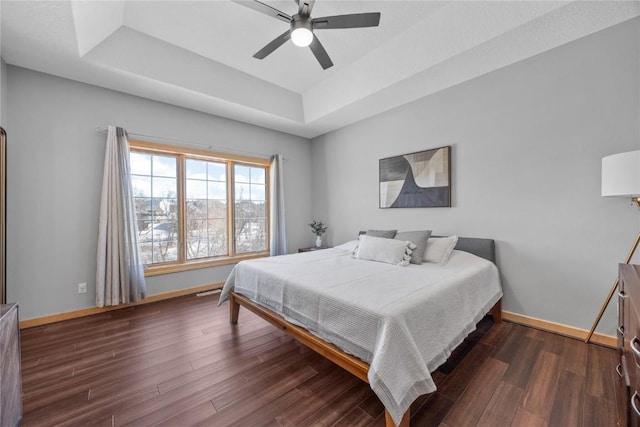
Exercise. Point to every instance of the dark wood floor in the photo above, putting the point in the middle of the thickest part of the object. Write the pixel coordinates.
(180, 363)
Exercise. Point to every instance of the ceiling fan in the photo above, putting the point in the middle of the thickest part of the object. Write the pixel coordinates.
(302, 26)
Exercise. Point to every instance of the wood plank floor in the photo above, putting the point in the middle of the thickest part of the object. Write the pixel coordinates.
(180, 363)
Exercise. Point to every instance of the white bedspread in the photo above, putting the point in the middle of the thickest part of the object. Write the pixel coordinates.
(403, 321)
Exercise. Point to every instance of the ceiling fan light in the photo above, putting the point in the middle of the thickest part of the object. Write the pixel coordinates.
(301, 37)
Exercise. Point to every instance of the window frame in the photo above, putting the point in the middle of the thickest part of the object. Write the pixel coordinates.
(182, 154)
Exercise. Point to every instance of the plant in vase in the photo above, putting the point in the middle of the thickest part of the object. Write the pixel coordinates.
(318, 228)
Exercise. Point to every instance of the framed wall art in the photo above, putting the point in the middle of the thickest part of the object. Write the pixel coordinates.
(416, 180)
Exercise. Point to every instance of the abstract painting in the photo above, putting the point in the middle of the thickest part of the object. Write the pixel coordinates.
(416, 180)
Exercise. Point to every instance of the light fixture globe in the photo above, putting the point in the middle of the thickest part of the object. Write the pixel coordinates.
(301, 37)
(301, 33)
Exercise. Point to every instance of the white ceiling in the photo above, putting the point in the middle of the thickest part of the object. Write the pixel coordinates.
(198, 54)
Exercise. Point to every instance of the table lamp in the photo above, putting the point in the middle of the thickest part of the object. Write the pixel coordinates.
(620, 178)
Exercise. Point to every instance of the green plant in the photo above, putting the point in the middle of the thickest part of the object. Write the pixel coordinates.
(317, 227)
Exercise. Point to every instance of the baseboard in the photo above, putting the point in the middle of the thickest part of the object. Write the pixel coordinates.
(38, 321)
(558, 328)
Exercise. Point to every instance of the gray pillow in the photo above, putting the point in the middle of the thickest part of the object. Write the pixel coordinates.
(386, 234)
(419, 238)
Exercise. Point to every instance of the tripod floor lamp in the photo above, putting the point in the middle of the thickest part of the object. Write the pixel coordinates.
(620, 178)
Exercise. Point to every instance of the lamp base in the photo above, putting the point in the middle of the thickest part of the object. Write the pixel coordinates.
(635, 200)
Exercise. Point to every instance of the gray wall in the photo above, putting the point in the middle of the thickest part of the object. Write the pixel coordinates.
(3, 83)
(55, 173)
(527, 142)
(3, 92)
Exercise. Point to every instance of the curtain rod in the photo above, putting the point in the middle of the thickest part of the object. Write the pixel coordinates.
(103, 130)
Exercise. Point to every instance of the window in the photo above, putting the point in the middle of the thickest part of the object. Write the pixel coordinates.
(155, 192)
(206, 192)
(250, 208)
(196, 208)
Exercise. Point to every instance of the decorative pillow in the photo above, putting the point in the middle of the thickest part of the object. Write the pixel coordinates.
(419, 238)
(380, 249)
(439, 249)
(387, 234)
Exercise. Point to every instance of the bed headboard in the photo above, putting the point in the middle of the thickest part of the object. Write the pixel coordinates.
(484, 248)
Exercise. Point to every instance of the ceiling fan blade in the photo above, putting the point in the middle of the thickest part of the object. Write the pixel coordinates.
(321, 55)
(305, 7)
(356, 20)
(273, 45)
(264, 8)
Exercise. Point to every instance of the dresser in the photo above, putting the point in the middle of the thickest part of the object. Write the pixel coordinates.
(629, 337)
(10, 371)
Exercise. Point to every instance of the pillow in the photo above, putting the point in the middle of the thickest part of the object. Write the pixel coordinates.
(418, 238)
(439, 249)
(387, 234)
(349, 246)
(380, 249)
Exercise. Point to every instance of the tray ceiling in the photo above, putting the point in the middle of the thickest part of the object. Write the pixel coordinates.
(198, 54)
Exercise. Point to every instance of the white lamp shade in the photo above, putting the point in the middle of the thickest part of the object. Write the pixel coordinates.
(621, 175)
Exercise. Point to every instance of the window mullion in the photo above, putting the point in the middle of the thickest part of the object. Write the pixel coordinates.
(231, 228)
(182, 209)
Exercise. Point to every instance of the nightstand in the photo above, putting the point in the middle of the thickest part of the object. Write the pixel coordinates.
(312, 248)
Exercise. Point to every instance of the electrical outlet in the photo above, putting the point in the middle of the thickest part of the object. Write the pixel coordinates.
(82, 288)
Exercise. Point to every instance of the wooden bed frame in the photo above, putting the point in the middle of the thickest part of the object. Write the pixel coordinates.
(352, 364)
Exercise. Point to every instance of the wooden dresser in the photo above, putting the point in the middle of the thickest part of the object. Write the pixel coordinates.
(629, 337)
(10, 372)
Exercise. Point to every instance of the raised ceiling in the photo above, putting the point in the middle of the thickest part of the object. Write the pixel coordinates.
(198, 54)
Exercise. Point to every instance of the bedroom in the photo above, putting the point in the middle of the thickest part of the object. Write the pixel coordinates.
(527, 137)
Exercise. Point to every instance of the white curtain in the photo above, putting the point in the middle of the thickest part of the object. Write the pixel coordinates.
(278, 230)
(120, 274)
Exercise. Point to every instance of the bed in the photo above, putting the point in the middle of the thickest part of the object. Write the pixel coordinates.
(390, 326)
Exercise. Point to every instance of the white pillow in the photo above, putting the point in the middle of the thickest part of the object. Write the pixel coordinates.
(349, 246)
(397, 252)
(439, 249)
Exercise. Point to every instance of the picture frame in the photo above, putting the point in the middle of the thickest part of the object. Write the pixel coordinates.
(420, 179)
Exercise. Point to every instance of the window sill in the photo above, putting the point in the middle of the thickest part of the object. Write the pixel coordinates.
(195, 265)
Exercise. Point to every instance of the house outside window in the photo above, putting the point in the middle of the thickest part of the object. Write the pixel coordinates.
(196, 208)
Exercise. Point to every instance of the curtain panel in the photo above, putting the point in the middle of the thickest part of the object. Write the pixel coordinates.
(278, 230)
(120, 273)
